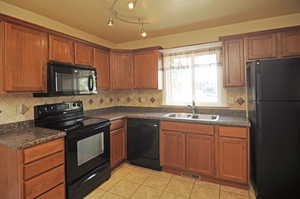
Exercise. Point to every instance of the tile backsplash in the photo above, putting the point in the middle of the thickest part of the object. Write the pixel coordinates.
(19, 107)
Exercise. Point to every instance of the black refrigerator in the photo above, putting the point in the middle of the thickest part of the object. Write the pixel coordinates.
(273, 88)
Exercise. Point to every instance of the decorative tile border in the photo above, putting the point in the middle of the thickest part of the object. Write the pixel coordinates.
(19, 107)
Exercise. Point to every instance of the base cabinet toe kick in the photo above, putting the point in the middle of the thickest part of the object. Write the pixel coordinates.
(215, 153)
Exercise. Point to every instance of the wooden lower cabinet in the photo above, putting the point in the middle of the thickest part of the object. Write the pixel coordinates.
(35, 172)
(219, 153)
(233, 159)
(117, 145)
(56, 193)
(1, 57)
(42, 183)
(200, 150)
(172, 149)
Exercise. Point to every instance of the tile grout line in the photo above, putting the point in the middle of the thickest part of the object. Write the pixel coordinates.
(181, 181)
(164, 190)
(219, 191)
(143, 183)
(190, 195)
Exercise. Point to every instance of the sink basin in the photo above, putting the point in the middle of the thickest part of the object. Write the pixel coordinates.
(190, 116)
(179, 115)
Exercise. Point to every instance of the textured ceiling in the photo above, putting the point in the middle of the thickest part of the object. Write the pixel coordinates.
(165, 16)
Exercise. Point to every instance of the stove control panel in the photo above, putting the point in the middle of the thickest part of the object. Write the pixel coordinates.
(57, 109)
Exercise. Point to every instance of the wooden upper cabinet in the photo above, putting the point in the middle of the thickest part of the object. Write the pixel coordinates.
(290, 42)
(101, 62)
(61, 49)
(26, 55)
(234, 64)
(261, 46)
(233, 159)
(121, 74)
(146, 70)
(1, 57)
(200, 154)
(172, 149)
(117, 146)
(84, 54)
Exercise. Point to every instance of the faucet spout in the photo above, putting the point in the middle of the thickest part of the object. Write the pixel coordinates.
(193, 107)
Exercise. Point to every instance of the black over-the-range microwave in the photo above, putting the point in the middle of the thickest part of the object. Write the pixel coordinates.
(67, 80)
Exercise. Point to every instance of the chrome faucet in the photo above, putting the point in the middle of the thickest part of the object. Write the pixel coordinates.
(193, 107)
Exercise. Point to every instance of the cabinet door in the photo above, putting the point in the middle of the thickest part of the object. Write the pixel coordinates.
(101, 62)
(261, 46)
(233, 160)
(61, 49)
(234, 68)
(117, 146)
(200, 154)
(26, 54)
(84, 54)
(172, 149)
(146, 70)
(121, 71)
(1, 57)
(290, 42)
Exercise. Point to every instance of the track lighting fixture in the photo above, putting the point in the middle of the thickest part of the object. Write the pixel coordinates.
(110, 21)
(131, 4)
(116, 15)
(143, 32)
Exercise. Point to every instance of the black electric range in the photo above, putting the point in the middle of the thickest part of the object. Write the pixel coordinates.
(87, 145)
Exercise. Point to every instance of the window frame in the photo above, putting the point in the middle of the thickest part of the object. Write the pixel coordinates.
(221, 99)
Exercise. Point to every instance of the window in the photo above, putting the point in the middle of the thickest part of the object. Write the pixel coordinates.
(193, 76)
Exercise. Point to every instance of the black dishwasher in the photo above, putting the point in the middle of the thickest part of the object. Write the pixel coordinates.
(143, 143)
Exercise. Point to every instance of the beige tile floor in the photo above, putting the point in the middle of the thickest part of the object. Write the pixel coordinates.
(133, 182)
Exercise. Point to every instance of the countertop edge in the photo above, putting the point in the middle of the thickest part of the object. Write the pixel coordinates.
(33, 143)
(245, 123)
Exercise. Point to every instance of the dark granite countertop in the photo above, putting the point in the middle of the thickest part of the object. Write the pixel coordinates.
(21, 138)
(23, 135)
(223, 120)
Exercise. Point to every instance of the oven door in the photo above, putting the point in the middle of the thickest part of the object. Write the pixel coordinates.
(86, 149)
(71, 80)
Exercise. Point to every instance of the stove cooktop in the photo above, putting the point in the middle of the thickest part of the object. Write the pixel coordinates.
(75, 124)
(66, 116)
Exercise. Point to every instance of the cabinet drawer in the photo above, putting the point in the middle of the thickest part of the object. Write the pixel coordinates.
(57, 193)
(235, 132)
(42, 150)
(42, 165)
(188, 127)
(117, 124)
(44, 182)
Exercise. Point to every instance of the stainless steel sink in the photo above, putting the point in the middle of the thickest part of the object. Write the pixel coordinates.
(190, 116)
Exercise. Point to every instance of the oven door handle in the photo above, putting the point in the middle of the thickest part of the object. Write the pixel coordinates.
(95, 128)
